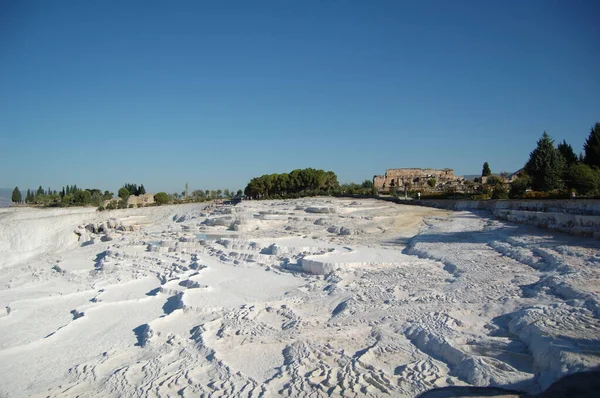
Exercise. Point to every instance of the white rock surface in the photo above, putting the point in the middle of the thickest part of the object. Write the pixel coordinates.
(393, 301)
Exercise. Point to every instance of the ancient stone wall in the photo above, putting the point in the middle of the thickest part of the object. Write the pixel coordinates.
(141, 200)
(378, 181)
(415, 179)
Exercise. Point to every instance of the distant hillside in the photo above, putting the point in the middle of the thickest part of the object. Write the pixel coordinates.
(471, 177)
(5, 195)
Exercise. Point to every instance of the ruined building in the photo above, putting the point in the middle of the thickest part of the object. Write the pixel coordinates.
(418, 179)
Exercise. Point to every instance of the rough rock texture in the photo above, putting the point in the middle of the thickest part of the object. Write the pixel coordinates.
(421, 299)
(415, 178)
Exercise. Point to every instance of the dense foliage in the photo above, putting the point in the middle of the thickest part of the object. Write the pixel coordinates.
(123, 193)
(550, 170)
(70, 195)
(133, 189)
(591, 147)
(161, 198)
(583, 178)
(16, 196)
(298, 183)
(486, 171)
(567, 152)
(519, 186)
(545, 165)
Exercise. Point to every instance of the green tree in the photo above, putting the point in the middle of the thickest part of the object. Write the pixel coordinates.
(299, 182)
(519, 186)
(499, 192)
(486, 171)
(583, 178)
(367, 184)
(123, 193)
(161, 198)
(567, 152)
(494, 180)
(591, 147)
(239, 192)
(87, 197)
(545, 165)
(97, 199)
(16, 195)
(198, 194)
(67, 199)
(142, 190)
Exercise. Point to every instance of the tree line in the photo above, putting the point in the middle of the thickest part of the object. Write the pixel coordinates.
(554, 170)
(297, 183)
(70, 195)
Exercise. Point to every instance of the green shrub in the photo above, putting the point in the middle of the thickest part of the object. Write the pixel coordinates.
(500, 192)
(161, 198)
(583, 178)
(518, 187)
(100, 208)
(493, 180)
(556, 194)
(123, 193)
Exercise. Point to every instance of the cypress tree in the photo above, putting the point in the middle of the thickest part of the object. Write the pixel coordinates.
(486, 170)
(16, 196)
(545, 165)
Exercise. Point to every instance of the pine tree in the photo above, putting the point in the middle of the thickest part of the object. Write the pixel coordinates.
(592, 147)
(486, 170)
(545, 165)
(123, 193)
(142, 190)
(567, 152)
(16, 196)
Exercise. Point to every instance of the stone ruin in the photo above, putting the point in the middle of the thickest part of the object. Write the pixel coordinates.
(418, 180)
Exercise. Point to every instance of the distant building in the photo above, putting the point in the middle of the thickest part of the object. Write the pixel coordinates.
(417, 179)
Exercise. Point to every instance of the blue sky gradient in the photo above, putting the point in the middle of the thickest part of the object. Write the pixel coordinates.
(215, 92)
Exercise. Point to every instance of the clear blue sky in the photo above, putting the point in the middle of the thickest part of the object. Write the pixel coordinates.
(99, 93)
